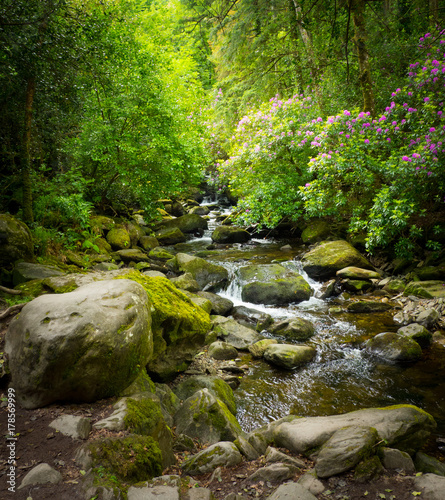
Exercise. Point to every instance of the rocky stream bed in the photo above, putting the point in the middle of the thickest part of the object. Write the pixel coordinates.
(277, 368)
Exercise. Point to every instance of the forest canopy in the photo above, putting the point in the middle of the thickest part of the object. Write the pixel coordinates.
(301, 108)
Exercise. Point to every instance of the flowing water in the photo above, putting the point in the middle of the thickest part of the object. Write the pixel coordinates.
(341, 378)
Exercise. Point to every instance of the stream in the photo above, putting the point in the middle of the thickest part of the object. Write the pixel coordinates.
(341, 377)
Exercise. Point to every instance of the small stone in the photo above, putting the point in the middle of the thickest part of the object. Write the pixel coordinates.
(41, 474)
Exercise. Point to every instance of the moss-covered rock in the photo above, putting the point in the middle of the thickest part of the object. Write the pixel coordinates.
(199, 301)
(148, 242)
(233, 333)
(207, 275)
(15, 240)
(160, 254)
(218, 387)
(317, 230)
(356, 286)
(222, 350)
(289, 356)
(251, 318)
(273, 284)
(142, 383)
(394, 347)
(179, 326)
(188, 223)
(186, 282)
(170, 236)
(220, 305)
(221, 454)
(205, 417)
(368, 306)
(395, 286)
(230, 234)
(298, 329)
(119, 238)
(418, 333)
(103, 245)
(26, 271)
(258, 349)
(326, 259)
(356, 273)
(131, 459)
(426, 289)
(131, 255)
(80, 346)
(101, 224)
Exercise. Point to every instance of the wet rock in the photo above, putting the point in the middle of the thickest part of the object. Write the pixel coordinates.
(206, 274)
(199, 210)
(258, 349)
(289, 356)
(416, 332)
(230, 234)
(207, 418)
(224, 454)
(368, 306)
(222, 350)
(233, 333)
(356, 286)
(394, 286)
(293, 329)
(345, 449)
(325, 260)
(220, 305)
(41, 474)
(257, 320)
(394, 347)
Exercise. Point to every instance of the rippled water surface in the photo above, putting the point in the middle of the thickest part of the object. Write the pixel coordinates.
(341, 378)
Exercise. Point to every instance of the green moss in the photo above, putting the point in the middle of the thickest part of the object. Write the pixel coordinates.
(32, 288)
(133, 458)
(173, 312)
(66, 288)
(127, 326)
(142, 383)
(142, 416)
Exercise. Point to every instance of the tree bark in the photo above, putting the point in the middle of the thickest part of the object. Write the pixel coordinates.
(433, 12)
(28, 215)
(357, 8)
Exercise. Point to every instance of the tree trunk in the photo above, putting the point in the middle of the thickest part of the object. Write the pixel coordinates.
(28, 215)
(357, 9)
(433, 13)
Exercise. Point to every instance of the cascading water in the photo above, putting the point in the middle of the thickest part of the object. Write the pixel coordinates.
(341, 378)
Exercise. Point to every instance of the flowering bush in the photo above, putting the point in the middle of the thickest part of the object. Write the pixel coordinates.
(381, 174)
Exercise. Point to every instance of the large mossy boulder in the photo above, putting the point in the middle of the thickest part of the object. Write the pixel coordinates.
(273, 284)
(252, 318)
(230, 234)
(326, 259)
(394, 347)
(188, 223)
(119, 238)
(15, 240)
(207, 418)
(207, 275)
(80, 346)
(179, 327)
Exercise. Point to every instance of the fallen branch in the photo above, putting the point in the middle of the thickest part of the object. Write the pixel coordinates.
(10, 290)
(12, 310)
